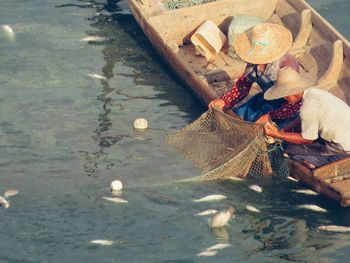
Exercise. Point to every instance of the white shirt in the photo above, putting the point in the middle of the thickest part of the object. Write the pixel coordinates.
(323, 114)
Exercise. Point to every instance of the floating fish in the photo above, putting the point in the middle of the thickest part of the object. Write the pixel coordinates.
(305, 191)
(4, 202)
(222, 218)
(292, 179)
(93, 39)
(218, 246)
(102, 242)
(255, 188)
(313, 208)
(207, 253)
(116, 200)
(252, 209)
(207, 212)
(235, 178)
(10, 192)
(9, 32)
(210, 198)
(96, 76)
(334, 228)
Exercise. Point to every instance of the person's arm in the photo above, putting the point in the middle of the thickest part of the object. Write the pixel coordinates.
(291, 137)
(240, 90)
(286, 111)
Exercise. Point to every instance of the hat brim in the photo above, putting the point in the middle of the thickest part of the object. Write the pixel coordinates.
(276, 92)
(279, 45)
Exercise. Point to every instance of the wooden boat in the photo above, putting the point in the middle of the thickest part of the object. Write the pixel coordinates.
(320, 50)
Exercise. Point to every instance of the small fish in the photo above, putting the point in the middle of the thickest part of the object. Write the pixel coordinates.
(4, 202)
(292, 179)
(255, 188)
(93, 39)
(9, 32)
(334, 228)
(209, 253)
(313, 208)
(252, 209)
(115, 199)
(218, 246)
(96, 76)
(209, 198)
(207, 212)
(235, 178)
(102, 242)
(10, 192)
(222, 218)
(305, 191)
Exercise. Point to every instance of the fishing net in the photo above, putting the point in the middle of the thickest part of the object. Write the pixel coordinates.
(176, 4)
(224, 147)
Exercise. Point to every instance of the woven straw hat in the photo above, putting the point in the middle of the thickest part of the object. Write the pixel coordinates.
(263, 43)
(289, 82)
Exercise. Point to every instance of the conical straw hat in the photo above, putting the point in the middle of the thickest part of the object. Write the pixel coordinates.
(263, 43)
(289, 82)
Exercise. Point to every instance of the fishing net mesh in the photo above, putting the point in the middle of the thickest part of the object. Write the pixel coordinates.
(176, 4)
(224, 147)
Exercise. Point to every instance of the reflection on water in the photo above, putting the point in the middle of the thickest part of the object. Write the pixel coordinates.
(64, 136)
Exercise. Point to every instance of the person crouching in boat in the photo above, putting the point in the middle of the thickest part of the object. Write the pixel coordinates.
(264, 48)
(325, 121)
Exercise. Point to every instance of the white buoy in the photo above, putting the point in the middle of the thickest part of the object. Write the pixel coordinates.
(140, 124)
(116, 185)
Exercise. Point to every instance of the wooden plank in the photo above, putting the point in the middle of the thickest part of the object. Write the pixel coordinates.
(322, 24)
(343, 187)
(305, 175)
(179, 24)
(335, 169)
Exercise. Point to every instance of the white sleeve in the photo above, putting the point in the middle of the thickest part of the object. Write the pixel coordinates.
(309, 124)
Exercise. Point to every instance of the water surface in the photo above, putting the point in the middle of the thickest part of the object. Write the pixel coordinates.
(64, 136)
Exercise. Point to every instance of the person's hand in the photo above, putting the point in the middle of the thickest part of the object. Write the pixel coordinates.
(263, 119)
(218, 103)
(270, 129)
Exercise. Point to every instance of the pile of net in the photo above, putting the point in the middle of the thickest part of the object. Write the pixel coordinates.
(223, 147)
(176, 4)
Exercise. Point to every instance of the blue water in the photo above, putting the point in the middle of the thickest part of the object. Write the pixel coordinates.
(65, 136)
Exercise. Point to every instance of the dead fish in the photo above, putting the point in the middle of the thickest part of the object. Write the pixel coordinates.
(210, 198)
(102, 242)
(10, 192)
(292, 179)
(93, 39)
(222, 218)
(252, 209)
(218, 246)
(207, 212)
(97, 76)
(9, 32)
(235, 178)
(255, 188)
(304, 191)
(334, 228)
(313, 208)
(116, 200)
(4, 202)
(207, 253)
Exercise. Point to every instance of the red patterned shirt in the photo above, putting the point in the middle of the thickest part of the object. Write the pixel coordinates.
(241, 90)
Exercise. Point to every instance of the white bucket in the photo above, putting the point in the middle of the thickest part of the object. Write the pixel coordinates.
(208, 40)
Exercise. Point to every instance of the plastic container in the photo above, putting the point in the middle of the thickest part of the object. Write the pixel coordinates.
(208, 40)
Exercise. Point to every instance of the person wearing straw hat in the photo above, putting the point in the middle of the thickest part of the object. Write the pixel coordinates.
(325, 120)
(264, 47)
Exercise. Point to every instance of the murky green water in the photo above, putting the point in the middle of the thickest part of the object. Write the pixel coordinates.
(64, 136)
